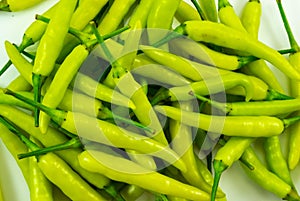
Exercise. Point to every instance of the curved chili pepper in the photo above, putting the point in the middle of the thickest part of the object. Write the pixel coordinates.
(211, 32)
(251, 21)
(266, 179)
(171, 186)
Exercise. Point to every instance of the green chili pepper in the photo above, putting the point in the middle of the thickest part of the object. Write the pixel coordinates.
(255, 108)
(92, 88)
(61, 81)
(115, 15)
(251, 17)
(251, 21)
(266, 179)
(215, 33)
(185, 67)
(276, 160)
(171, 186)
(17, 5)
(110, 133)
(144, 67)
(226, 156)
(228, 16)
(39, 186)
(128, 85)
(182, 141)
(245, 126)
(1, 194)
(52, 137)
(186, 12)
(50, 46)
(141, 13)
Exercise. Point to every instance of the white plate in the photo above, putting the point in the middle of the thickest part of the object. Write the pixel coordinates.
(234, 182)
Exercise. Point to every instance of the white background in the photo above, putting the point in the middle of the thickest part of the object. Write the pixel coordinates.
(234, 182)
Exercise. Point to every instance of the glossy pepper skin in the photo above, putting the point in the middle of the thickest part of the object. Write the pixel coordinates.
(246, 126)
(222, 35)
(171, 186)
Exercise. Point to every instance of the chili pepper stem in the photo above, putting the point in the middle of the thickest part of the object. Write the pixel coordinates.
(219, 168)
(176, 33)
(275, 95)
(110, 115)
(288, 29)
(36, 81)
(162, 94)
(57, 116)
(290, 121)
(198, 8)
(73, 143)
(222, 106)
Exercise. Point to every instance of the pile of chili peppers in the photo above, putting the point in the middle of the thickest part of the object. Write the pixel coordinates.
(119, 98)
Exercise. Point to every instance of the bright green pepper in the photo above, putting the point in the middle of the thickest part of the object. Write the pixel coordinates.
(222, 35)
(170, 186)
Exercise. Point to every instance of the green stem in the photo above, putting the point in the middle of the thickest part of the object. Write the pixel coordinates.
(102, 44)
(199, 10)
(162, 94)
(36, 82)
(113, 190)
(73, 143)
(287, 51)
(62, 130)
(275, 95)
(107, 36)
(223, 3)
(105, 113)
(290, 121)
(219, 168)
(221, 106)
(288, 29)
(179, 31)
(243, 60)
(4, 6)
(57, 116)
